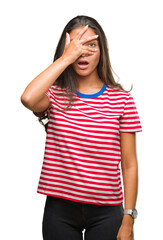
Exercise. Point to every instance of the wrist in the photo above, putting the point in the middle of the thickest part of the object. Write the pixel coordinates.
(127, 220)
(132, 212)
(66, 60)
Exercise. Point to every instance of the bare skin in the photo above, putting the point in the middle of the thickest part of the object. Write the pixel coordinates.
(81, 44)
(34, 97)
(130, 180)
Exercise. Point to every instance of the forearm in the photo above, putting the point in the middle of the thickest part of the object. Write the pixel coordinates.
(130, 181)
(39, 85)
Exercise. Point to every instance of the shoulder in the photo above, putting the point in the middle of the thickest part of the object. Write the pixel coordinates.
(114, 92)
(56, 90)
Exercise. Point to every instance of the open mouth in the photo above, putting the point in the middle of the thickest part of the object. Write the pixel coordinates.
(82, 64)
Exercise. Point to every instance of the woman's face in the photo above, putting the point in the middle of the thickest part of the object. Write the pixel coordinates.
(86, 65)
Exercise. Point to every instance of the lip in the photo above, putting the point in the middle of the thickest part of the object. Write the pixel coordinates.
(82, 64)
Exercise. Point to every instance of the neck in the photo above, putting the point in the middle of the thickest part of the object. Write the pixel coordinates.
(89, 82)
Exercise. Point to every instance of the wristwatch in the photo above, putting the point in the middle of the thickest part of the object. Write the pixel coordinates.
(132, 212)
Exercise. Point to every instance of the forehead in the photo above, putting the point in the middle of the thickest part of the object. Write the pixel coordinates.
(90, 32)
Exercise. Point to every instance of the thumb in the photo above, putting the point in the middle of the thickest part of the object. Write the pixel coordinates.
(67, 38)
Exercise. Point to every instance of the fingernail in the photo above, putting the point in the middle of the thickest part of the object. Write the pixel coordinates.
(96, 36)
(86, 26)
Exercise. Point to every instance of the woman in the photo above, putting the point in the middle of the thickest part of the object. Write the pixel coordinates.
(91, 130)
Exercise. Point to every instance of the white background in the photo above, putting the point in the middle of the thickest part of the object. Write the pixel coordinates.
(30, 31)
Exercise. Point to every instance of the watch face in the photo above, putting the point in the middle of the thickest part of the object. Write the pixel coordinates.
(135, 213)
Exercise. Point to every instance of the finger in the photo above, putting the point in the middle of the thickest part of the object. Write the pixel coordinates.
(89, 49)
(87, 53)
(67, 38)
(80, 34)
(89, 39)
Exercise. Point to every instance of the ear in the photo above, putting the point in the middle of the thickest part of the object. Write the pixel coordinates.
(67, 38)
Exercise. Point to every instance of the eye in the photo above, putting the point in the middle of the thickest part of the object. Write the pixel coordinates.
(92, 45)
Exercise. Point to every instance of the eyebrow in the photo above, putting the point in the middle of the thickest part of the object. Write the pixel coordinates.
(93, 40)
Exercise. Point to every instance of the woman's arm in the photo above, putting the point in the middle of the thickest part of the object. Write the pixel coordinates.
(129, 167)
(34, 97)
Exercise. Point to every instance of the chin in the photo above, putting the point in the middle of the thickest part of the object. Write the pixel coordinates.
(84, 73)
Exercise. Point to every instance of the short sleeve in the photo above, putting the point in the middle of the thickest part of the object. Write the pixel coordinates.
(50, 94)
(129, 121)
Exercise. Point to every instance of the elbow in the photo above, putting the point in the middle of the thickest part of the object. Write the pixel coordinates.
(26, 101)
(131, 164)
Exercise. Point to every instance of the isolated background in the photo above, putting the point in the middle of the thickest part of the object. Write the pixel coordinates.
(30, 31)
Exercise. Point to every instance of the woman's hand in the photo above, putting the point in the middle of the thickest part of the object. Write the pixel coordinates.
(126, 229)
(75, 47)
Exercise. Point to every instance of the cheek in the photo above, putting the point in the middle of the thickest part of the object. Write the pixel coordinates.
(96, 58)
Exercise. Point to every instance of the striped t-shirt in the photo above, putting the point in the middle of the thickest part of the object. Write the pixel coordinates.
(82, 149)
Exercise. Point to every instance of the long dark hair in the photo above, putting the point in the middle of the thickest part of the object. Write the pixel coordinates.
(67, 78)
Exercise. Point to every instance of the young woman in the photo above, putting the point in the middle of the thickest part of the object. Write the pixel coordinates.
(91, 130)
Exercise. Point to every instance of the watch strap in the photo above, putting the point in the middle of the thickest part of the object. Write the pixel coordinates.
(132, 212)
(128, 211)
